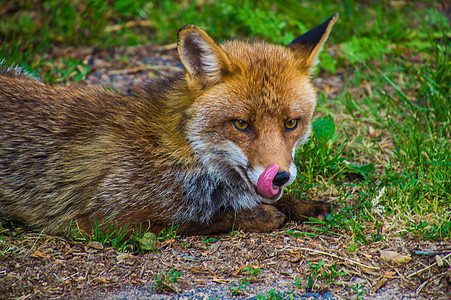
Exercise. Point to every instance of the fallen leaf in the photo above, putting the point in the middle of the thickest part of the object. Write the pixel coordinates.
(389, 274)
(402, 259)
(388, 255)
(148, 241)
(439, 260)
(39, 254)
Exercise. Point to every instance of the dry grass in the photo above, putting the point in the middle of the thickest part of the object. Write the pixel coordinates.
(40, 266)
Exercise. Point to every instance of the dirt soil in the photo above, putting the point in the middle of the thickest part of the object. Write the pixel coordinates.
(37, 266)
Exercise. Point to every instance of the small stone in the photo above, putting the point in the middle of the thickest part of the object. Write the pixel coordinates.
(124, 256)
(395, 257)
(96, 245)
(214, 247)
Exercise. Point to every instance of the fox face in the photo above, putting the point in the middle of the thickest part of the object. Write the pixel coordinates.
(252, 107)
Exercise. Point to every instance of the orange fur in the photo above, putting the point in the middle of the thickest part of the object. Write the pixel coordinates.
(170, 152)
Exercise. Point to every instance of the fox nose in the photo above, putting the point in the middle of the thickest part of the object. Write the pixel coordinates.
(281, 178)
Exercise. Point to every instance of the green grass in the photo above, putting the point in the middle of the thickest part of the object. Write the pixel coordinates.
(408, 183)
(237, 290)
(124, 239)
(380, 148)
(163, 281)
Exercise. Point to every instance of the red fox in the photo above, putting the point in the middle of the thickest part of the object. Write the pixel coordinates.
(210, 149)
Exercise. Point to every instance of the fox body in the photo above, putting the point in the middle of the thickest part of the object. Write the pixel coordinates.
(204, 149)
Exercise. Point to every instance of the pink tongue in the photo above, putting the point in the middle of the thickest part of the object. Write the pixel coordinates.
(264, 182)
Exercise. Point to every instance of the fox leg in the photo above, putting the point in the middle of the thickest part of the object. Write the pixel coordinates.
(262, 218)
(301, 210)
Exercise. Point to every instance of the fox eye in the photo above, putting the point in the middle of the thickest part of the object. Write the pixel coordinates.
(241, 125)
(291, 124)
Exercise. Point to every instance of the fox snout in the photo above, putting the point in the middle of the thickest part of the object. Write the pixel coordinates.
(271, 181)
(281, 178)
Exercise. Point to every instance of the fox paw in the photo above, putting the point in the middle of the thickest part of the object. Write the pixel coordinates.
(262, 218)
(301, 210)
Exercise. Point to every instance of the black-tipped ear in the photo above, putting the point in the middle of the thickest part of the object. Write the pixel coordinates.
(308, 46)
(205, 62)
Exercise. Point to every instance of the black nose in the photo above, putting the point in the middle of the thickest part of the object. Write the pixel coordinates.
(281, 178)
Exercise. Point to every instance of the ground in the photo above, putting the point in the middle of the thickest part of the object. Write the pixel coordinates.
(274, 265)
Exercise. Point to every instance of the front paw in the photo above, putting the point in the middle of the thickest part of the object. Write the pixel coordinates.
(262, 218)
(301, 210)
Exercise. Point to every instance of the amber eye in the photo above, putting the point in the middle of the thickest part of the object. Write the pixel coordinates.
(241, 125)
(292, 124)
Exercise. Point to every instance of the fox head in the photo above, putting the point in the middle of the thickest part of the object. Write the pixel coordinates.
(252, 104)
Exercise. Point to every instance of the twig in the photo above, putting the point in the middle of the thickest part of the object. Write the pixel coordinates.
(35, 241)
(25, 297)
(336, 256)
(417, 292)
(169, 47)
(129, 24)
(428, 267)
(429, 253)
(75, 274)
(144, 69)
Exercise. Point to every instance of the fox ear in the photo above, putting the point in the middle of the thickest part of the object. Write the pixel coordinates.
(308, 46)
(205, 62)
